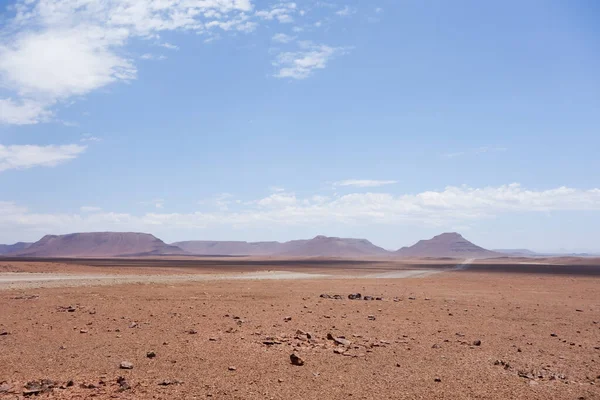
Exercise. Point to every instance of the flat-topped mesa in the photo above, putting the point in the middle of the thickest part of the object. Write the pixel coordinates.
(99, 244)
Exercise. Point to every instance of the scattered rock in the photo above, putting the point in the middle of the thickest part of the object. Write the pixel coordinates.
(368, 298)
(133, 325)
(231, 368)
(437, 379)
(150, 354)
(287, 319)
(579, 310)
(337, 297)
(371, 318)
(553, 335)
(354, 296)
(325, 296)
(524, 374)
(68, 384)
(87, 386)
(26, 297)
(192, 331)
(412, 298)
(123, 384)
(5, 387)
(169, 382)
(126, 365)
(34, 388)
(83, 331)
(271, 341)
(296, 360)
(4, 333)
(379, 298)
(502, 363)
(477, 343)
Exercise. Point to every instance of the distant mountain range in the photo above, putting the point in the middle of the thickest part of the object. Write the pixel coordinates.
(128, 244)
(321, 246)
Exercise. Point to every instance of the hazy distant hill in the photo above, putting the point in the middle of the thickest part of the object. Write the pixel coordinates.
(320, 246)
(12, 248)
(324, 246)
(99, 244)
(446, 245)
(518, 252)
(225, 248)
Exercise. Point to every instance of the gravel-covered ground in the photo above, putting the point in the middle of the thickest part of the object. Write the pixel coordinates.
(452, 335)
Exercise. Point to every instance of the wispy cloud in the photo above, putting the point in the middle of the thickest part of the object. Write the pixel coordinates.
(282, 12)
(452, 206)
(301, 64)
(55, 51)
(282, 38)
(221, 201)
(363, 183)
(169, 46)
(150, 56)
(29, 156)
(478, 150)
(23, 112)
(346, 11)
(88, 137)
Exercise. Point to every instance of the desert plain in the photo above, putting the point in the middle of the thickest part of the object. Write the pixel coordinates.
(226, 327)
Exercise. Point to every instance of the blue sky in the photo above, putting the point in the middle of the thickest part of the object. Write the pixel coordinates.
(266, 120)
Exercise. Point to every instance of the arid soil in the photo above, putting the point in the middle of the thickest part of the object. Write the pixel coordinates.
(453, 335)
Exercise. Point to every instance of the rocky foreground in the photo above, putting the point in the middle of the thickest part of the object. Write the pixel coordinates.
(456, 335)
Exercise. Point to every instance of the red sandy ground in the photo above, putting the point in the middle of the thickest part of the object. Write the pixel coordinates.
(391, 357)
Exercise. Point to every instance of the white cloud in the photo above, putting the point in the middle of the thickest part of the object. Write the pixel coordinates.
(150, 56)
(346, 11)
(221, 201)
(87, 209)
(25, 112)
(52, 51)
(169, 46)
(278, 199)
(452, 206)
(276, 189)
(363, 183)
(378, 10)
(282, 12)
(29, 156)
(301, 64)
(87, 137)
(282, 38)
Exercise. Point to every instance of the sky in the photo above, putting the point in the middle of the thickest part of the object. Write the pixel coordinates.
(391, 120)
